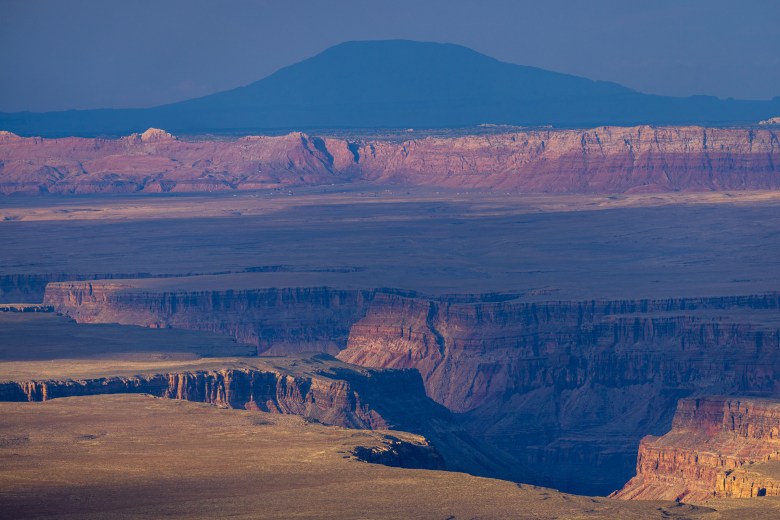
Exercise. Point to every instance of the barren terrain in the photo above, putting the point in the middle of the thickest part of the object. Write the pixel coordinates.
(133, 457)
(555, 247)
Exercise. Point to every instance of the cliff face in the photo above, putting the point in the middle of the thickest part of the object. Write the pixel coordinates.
(278, 321)
(601, 160)
(332, 400)
(156, 161)
(317, 387)
(562, 386)
(568, 386)
(718, 447)
(506, 348)
(750, 480)
(32, 287)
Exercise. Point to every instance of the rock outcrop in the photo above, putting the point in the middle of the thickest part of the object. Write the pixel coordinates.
(750, 480)
(600, 160)
(562, 386)
(401, 454)
(718, 447)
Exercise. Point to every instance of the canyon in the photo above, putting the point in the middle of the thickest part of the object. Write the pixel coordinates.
(561, 386)
(100, 403)
(412, 284)
(598, 160)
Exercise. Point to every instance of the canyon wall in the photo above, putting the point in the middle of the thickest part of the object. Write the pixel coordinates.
(329, 401)
(562, 387)
(315, 386)
(600, 160)
(717, 447)
(566, 387)
(277, 321)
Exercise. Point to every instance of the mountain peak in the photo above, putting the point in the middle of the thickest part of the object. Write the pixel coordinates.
(402, 84)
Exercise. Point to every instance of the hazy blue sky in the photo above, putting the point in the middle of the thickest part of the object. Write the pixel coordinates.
(60, 54)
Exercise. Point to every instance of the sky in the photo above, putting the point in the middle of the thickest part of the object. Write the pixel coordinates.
(76, 54)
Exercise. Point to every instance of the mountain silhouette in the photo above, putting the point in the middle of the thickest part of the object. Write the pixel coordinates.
(399, 84)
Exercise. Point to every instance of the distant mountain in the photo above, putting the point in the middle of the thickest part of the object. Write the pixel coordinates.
(397, 84)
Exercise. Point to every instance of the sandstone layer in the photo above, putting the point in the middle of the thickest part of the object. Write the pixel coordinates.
(562, 386)
(718, 447)
(600, 160)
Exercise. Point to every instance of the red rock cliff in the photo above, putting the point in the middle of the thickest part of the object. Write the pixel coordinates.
(568, 386)
(600, 160)
(718, 446)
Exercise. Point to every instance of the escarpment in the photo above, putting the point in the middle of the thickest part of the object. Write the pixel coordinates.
(599, 160)
(277, 321)
(344, 400)
(717, 447)
(563, 387)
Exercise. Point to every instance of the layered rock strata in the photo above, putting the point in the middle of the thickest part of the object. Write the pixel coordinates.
(600, 160)
(562, 386)
(317, 387)
(569, 386)
(718, 447)
(325, 400)
(277, 321)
